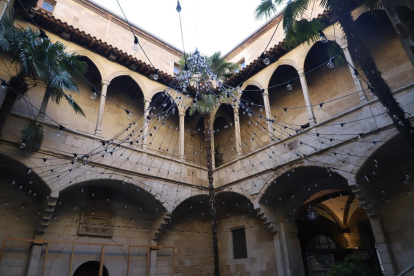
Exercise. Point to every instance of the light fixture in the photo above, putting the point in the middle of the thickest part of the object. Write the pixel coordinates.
(93, 93)
(40, 38)
(289, 86)
(155, 76)
(23, 144)
(320, 106)
(178, 6)
(4, 83)
(323, 37)
(331, 63)
(135, 47)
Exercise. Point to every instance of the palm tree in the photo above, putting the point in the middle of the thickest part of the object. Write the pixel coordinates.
(298, 30)
(38, 62)
(207, 99)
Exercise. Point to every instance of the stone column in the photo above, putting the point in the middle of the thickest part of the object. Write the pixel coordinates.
(265, 94)
(146, 123)
(383, 248)
(305, 92)
(98, 130)
(357, 81)
(34, 261)
(182, 128)
(3, 7)
(237, 131)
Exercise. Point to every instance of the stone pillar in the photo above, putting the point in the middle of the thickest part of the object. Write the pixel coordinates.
(3, 7)
(182, 128)
(98, 130)
(237, 131)
(35, 260)
(383, 248)
(305, 92)
(357, 81)
(265, 94)
(146, 123)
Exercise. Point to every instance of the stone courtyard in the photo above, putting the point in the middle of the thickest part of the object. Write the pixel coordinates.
(124, 190)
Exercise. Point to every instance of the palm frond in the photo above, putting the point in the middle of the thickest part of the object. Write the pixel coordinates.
(266, 9)
(33, 132)
(303, 30)
(74, 105)
(334, 50)
(373, 7)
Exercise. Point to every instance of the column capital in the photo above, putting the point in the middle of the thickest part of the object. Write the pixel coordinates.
(301, 71)
(265, 92)
(106, 82)
(344, 46)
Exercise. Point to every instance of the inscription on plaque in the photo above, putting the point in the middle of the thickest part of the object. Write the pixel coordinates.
(96, 224)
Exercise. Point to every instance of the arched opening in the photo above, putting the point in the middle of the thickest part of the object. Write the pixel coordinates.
(194, 140)
(327, 84)
(388, 195)
(381, 38)
(324, 218)
(64, 114)
(125, 92)
(90, 268)
(281, 97)
(224, 135)
(163, 128)
(21, 198)
(252, 116)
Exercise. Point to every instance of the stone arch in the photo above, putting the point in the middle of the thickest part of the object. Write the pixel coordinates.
(113, 181)
(17, 170)
(95, 60)
(188, 195)
(334, 33)
(273, 67)
(292, 169)
(133, 76)
(384, 136)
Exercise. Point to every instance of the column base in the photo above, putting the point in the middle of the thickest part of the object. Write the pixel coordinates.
(98, 132)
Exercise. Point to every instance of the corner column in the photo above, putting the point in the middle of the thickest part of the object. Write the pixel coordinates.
(146, 123)
(237, 131)
(305, 91)
(98, 130)
(265, 94)
(357, 81)
(182, 127)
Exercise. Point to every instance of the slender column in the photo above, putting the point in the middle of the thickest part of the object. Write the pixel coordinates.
(146, 123)
(265, 94)
(305, 92)
(182, 127)
(98, 130)
(357, 81)
(237, 130)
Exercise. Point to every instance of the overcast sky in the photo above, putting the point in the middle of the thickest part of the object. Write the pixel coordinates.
(212, 25)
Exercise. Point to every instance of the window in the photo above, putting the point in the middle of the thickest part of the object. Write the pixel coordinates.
(239, 243)
(176, 69)
(242, 65)
(47, 5)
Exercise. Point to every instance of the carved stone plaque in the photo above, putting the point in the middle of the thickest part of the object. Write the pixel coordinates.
(96, 224)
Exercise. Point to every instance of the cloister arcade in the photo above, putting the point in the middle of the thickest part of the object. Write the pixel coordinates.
(323, 143)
